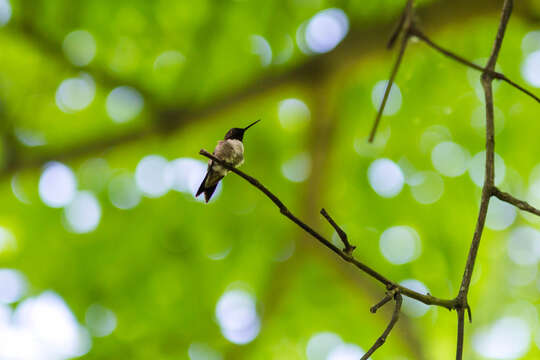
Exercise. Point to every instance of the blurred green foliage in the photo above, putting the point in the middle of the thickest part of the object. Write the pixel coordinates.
(153, 265)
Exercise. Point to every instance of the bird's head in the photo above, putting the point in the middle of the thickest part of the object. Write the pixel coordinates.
(238, 133)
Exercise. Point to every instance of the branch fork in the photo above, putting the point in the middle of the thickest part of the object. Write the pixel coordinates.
(406, 28)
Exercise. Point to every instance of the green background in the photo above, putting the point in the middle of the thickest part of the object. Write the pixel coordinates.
(152, 265)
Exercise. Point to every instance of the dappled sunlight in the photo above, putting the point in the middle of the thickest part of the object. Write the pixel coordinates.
(427, 187)
(79, 47)
(412, 307)
(450, 159)
(8, 243)
(237, 317)
(500, 215)
(393, 103)
(400, 244)
(152, 177)
(507, 338)
(100, 320)
(83, 213)
(320, 345)
(325, 30)
(261, 48)
(531, 69)
(43, 327)
(12, 286)
(346, 352)
(298, 168)
(199, 351)
(75, 94)
(5, 12)
(477, 169)
(385, 177)
(124, 103)
(57, 185)
(432, 136)
(524, 245)
(293, 113)
(123, 191)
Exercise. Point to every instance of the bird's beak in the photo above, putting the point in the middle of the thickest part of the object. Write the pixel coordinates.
(251, 125)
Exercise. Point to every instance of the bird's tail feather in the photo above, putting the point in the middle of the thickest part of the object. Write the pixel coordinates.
(208, 192)
(201, 188)
(208, 186)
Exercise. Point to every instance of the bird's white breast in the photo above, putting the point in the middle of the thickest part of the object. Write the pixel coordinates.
(232, 151)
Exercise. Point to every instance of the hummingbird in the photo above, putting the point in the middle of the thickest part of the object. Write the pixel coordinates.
(231, 150)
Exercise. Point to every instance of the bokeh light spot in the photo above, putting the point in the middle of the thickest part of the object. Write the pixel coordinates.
(477, 169)
(412, 307)
(298, 168)
(385, 177)
(478, 120)
(152, 176)
(198, 351)
(75, 94)
(321, 344)
(12, 286)
(237, 317)
(187, 175)
(124, 103)
(5, 12)
(400, 244)
(524, 245)
(57, 185)
(432, 136)
(48, 321)
(83, 213)
(7, 241)
(261, 47)
(79, 47)
(123, 192)
(393, 103)
(169, 60)
(100, 320)
(449, 159)
(507, 338)
(346, 352)
(427, 187)
(293, 113)
(531, 42)
(500, 214)
(326, 29)
(531, 69)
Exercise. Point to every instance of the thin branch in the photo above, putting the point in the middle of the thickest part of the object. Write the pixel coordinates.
(488, 187)
(381, 303)
(424, 298)
(460, 333)
(395, 317)
(523, 205)
(342, 235)
(400, 25)
(404, 42)
(496, 75)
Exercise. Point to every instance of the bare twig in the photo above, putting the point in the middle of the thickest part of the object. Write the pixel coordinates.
(460, 336)
(496, 75)
(342, 235)
(403, 27)
(427, 299)
(395, 317)
(523, 205)
(403, 46)
(400, 25)
(381, 303)
(488, 187)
